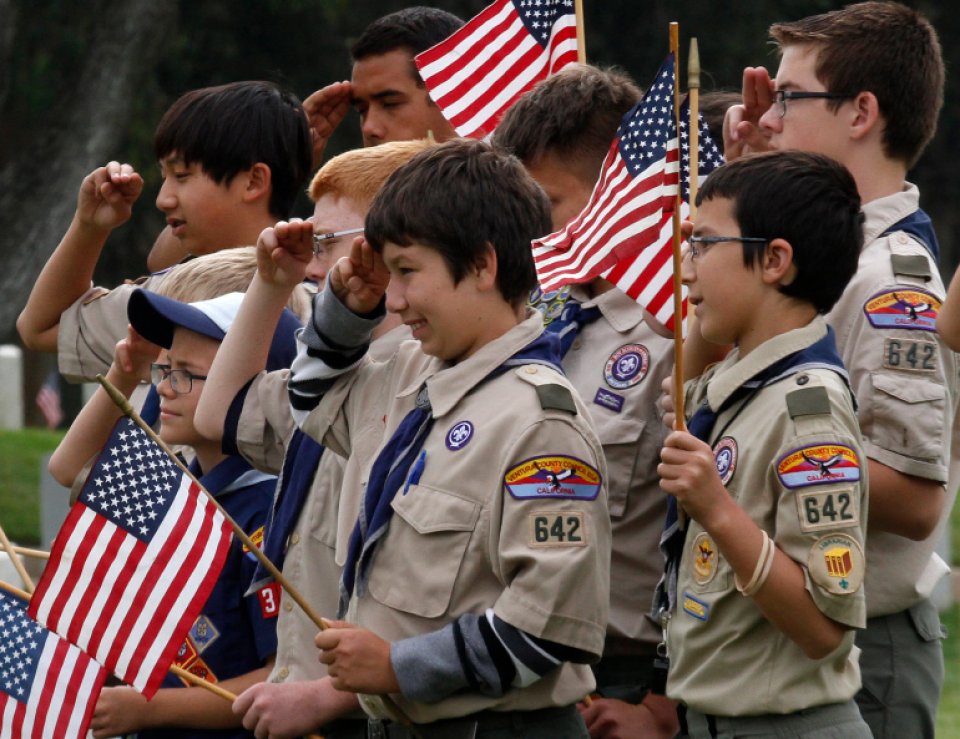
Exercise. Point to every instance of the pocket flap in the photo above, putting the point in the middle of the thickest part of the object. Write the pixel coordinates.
(429, 510)
(909, 390)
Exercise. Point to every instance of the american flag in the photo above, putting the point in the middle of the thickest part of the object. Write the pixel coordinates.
(134, 562)
(479, 71)
(48, 400)
(48, 687)
(631, 207)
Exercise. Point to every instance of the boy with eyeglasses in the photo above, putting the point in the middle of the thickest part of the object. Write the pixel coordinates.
(768, 579)
(881, 65)
(233, 640)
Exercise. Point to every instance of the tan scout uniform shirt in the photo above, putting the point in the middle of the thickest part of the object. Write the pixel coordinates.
(459, 541)
(617, 364)
(92, 326)
(311, 565)
(726, 658)
(905, 382)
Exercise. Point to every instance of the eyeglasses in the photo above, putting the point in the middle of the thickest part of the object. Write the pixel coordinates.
(181, 380)
(780, 98)
(700, 244)
(319, 239)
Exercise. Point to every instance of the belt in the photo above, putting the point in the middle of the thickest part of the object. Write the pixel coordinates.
(480, 721)
(786, 724)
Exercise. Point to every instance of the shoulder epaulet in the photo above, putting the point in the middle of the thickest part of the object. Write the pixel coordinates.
(808, 401)
(552, 395)
(911, 265)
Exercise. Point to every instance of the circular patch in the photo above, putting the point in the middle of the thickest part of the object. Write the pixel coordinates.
(703, 559)
(458, 435)
(627, 366)
(725, 453)
(836, 564)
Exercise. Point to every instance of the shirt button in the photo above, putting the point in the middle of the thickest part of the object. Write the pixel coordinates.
(902, 238)
(576, 344)
(283, 673)
(530, 369)
(288, 605)
(803, 380)
(295, 538)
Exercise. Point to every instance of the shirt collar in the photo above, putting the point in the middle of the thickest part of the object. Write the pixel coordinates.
(619, 309)
(733, 372)
(220, 478)
(884, 212)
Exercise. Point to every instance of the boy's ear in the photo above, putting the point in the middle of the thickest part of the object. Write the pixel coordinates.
(485, 268)
(258, 181)
(778, 266)
(866, 115)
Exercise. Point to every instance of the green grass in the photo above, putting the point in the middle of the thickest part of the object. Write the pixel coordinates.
(948, 717)
(20, 453)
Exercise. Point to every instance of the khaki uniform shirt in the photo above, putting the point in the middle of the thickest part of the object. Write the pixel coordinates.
(264, 430)
(617, 364)
(477, 532)
(726, 658)
(905, 381)
(92, 326)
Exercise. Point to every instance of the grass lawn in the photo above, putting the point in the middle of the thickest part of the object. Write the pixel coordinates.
(20, 453)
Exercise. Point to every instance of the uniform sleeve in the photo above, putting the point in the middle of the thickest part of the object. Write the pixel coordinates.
(259, 424)
(552, 535)
(91, 327)
(902, 374)
(820, 476)
(261, 606)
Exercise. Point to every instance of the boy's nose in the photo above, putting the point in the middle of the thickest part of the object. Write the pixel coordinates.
(166, 200)
(395, 299)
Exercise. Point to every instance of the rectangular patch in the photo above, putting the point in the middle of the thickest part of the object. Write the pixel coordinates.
(828, 510)
(697, 608)
(910, 355)
(910, 265)
(557, 529)
(608, 400)
(808, 401)
(269, 596)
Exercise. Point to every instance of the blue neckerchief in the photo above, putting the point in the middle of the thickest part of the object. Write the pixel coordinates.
(563, 315)
(150, 412)
(299, 468)
(230, 474)
(402, 460)
(821, 354)
(919, 225)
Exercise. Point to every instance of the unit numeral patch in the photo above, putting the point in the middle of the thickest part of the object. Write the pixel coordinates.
(550, 529)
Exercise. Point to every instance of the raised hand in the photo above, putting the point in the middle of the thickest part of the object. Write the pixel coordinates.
(107, 196)
(360, 280)
(742, 133)
(284, 251)
(326, 108)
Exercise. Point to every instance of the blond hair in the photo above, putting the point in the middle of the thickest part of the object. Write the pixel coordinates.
(359, 174)
(225, 271)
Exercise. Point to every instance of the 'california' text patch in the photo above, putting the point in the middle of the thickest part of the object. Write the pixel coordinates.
(903, 307)
(556, 476)
(819, 464)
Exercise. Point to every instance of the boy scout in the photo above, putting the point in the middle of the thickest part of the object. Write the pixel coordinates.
(487, 590)
(232, 160)
(772, 473)
(840, 90)
(248, 409)
(561, 130)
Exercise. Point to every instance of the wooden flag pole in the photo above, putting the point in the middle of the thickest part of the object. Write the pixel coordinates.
(679, 423)
(17, 563)
(693, 89)
(27, 552)
(123, 404)
(581, 34)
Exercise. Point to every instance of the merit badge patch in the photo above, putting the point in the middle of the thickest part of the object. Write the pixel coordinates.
(203, 633)
(725, 454)
(550, 529)
(836, 564)
(458, 435)
(553, 477)
(704, 559)
(608, 400)
(550, 304)
(906, 307)
(695, 607)
(818, 464)
(627, 366)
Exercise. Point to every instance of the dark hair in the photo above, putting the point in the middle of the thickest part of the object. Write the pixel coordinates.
(415, 29)
(884, 48)
(458, 198)
(229, 128)
(574, 115)
(807, 199)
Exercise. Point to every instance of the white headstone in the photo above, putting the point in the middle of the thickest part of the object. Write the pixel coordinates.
(11, 389)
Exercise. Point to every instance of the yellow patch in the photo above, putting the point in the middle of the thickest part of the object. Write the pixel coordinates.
(257, 538)
(704, 559)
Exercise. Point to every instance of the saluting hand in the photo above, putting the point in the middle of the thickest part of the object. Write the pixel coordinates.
(360, 280)
(741, 124)
(326, 108)
(107, 195)
(284, 251)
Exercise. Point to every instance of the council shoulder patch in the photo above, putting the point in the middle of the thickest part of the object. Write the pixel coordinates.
(703, 559)
(725, 454)
(903, 307)
(818, 464)
(627, 366)
(553, 476)
(836, 564)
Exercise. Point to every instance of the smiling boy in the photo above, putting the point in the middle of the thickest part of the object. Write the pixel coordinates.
(769, 582)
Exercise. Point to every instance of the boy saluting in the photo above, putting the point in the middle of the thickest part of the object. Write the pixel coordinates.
(480, 561)
(772, 472)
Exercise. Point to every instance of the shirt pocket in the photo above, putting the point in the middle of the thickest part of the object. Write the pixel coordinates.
(624, 449)
(909, 416)
(417, 566)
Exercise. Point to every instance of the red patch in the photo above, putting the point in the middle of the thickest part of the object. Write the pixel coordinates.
(269, 596)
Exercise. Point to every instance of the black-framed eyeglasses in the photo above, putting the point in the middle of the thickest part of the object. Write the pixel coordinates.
(780, 98)
(700, 244)
(319, 239)
(181, 380)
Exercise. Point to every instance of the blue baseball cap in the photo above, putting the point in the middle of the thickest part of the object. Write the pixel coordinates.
(155, 317)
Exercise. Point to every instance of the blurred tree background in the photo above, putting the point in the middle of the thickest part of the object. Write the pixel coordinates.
(85, 81)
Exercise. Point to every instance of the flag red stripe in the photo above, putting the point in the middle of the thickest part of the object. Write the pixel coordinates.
(105, 614)
(46, 691)
(458, 61)
(446, 46)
